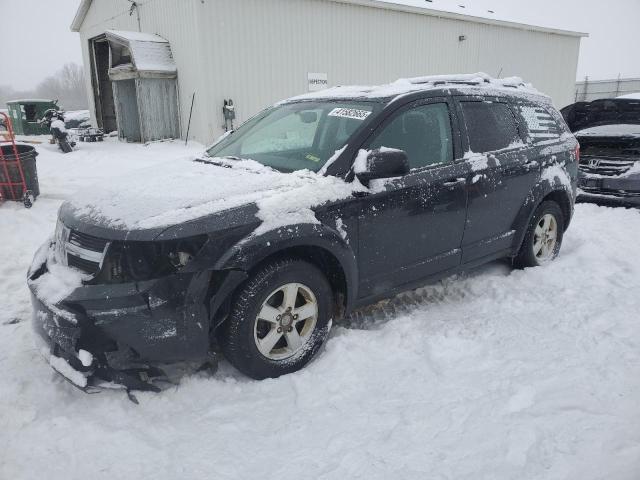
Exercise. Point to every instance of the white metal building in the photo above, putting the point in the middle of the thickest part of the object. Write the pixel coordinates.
(257, 52)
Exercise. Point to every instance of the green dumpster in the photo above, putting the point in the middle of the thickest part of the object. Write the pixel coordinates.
(26, 113)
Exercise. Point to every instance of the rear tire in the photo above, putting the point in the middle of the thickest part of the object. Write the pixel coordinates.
(64, 146)
(279, 319)
(543, 238)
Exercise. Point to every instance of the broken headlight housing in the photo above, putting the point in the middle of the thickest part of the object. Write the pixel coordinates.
(131, 261)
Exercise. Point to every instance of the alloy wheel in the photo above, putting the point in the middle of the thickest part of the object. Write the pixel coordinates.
(286, 321)
(545, 238)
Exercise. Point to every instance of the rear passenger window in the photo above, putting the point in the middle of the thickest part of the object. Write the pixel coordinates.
(491, 126)
(540, 123)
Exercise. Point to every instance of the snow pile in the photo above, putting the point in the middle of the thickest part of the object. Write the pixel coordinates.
(477, 161)
(59, 124)
(557, 174)
(498, 374)
(79, 116)
(58, 283)
(292, 204)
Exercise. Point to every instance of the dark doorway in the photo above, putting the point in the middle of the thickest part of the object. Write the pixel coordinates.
(102, 88)
(30, 112)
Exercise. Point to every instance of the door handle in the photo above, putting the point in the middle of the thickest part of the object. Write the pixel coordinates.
(454, 182)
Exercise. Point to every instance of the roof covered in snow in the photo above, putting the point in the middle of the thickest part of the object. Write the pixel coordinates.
(631, 96)
(479, 81)
(31, 100)
(479, 11)
(149, 53)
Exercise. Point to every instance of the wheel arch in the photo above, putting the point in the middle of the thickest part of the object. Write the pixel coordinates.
(542, 192)
(316, 244)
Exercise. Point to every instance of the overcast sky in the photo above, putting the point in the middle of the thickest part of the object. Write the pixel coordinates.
(39, 40)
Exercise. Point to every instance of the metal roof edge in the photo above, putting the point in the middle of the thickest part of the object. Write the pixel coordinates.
(460, 16)
(84, 6)
(81, 13)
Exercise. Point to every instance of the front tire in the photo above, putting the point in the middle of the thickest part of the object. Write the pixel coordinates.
(543, 238)
(279, 319)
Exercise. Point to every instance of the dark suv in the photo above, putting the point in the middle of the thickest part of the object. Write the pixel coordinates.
(350, 195)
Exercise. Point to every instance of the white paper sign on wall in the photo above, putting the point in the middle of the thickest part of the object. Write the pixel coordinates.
(317, 81)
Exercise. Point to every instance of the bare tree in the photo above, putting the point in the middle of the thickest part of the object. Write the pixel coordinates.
(72, 77)
(66, 85)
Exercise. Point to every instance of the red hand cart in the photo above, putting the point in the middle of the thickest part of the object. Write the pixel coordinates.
(12, 186)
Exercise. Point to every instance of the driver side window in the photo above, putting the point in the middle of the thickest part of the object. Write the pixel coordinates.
(423, 132)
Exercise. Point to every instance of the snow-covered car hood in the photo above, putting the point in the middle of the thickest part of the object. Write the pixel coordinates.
(181, 191)
(612, 130)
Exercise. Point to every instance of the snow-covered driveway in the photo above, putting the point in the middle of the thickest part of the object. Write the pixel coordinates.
(501, 374)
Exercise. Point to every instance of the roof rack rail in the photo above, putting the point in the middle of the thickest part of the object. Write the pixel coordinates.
(460, 82)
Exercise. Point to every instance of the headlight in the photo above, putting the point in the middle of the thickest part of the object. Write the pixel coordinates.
(139, 261)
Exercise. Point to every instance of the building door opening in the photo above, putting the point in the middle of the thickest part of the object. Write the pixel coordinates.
(102, 87)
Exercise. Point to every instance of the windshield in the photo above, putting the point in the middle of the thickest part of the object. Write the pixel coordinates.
(296, 136)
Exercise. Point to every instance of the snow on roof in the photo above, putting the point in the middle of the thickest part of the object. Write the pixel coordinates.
(137, 36)
(31, 100)
(150, 53)
(501, 12)
(403, 86)
(632, 96)
(509, 14)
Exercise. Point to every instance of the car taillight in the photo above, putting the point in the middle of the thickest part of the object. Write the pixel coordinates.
(578, 154)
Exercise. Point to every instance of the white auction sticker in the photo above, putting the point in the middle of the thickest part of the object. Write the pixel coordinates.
(349, 113)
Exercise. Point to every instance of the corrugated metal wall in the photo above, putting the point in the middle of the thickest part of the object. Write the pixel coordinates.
(125, 97)
(593, 90)
(260, 51)
(158, 119)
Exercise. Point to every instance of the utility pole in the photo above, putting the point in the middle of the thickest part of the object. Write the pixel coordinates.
(586, 88)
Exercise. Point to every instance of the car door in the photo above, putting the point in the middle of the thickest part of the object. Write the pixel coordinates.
(499, 175)
(411, 227)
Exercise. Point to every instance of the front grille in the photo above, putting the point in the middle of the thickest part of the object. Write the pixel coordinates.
(82, 264)
(88, 242)
(609, 166)
(79, 250)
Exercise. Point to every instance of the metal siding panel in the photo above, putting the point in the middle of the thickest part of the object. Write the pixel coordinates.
(157, 100)
(259, 51)
(262, 50)
(124, 94)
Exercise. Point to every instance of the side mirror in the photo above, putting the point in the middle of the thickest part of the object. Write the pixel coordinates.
(382, 163)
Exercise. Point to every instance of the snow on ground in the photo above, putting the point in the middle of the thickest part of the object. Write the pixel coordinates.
(501, 374)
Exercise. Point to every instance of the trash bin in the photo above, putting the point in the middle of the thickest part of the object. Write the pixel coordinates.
(27, 155)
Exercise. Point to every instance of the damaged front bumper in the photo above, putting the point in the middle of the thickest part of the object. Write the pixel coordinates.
(121, 334)
(618, 190)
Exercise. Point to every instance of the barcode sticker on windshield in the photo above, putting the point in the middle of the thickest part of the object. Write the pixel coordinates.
(349, 113)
